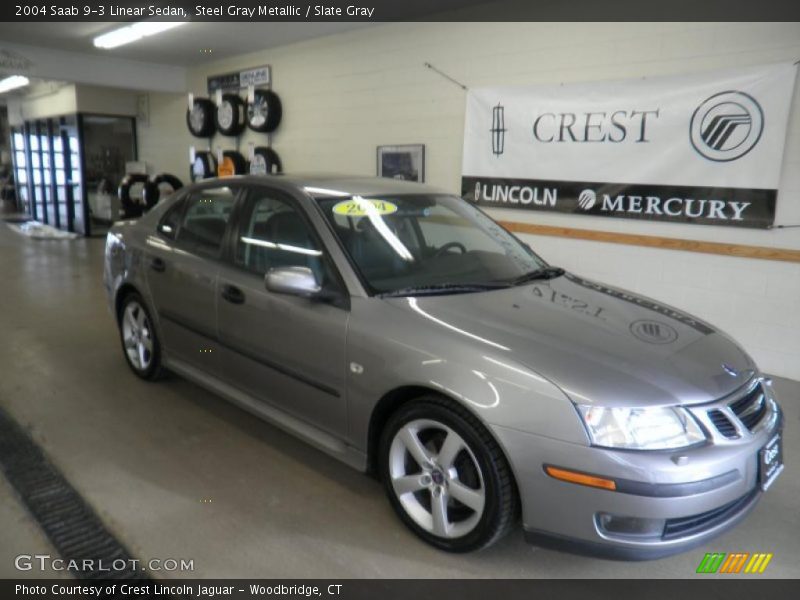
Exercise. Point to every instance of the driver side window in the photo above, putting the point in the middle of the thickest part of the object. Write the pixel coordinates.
(274, 234)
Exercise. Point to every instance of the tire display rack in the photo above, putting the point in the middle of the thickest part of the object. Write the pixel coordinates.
(225, 112)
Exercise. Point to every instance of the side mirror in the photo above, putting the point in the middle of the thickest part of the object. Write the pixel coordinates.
(297, 281)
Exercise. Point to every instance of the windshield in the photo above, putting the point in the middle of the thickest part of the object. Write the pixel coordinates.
(410, 242)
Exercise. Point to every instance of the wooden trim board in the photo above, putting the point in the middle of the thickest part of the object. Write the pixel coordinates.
(652, 241)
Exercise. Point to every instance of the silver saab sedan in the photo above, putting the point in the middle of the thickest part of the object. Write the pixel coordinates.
(403, 331)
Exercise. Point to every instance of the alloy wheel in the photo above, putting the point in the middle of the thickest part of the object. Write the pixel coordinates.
(137, 336)
(436, 478)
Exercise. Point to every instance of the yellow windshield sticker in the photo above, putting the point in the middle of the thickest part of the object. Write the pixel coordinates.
(361, 207)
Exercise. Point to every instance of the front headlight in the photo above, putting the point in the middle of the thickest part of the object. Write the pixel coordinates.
(641, 428)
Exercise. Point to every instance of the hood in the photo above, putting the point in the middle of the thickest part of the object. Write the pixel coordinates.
(599, 344)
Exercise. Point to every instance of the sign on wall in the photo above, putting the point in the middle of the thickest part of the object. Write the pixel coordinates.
(236, 80)
(704, 148)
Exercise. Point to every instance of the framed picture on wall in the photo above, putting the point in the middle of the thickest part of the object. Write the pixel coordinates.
(406, 162)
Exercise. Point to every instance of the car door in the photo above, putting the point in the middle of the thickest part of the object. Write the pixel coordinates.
(182, 266)
(288, 351)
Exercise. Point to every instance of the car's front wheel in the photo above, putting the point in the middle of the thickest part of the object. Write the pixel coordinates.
(446, 477)
(139, 340)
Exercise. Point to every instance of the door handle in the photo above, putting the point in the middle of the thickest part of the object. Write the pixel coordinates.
(233, 294)
(158, 264)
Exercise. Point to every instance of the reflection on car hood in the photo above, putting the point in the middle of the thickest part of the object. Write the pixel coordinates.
(597, 343)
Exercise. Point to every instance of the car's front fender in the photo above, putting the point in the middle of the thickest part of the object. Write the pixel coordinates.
(390, 349)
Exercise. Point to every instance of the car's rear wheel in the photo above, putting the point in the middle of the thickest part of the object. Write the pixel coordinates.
(140, 342)
(446, 477)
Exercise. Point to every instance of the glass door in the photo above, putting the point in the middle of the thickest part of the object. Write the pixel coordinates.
(44, 174)
(108, 143)
(73, 163)
(65, 208)
(57, 160)
(39, 211)
(20, 157)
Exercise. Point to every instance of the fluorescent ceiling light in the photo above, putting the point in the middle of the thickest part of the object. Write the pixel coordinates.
(133, 33)
(13, 82)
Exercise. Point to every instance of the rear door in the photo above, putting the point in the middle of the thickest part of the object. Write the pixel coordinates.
(285, 350)
(182, 266)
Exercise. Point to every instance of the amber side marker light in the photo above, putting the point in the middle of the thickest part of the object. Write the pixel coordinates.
(581, 478)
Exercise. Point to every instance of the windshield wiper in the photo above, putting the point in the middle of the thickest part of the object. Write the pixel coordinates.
(443, 288)
(543, 273)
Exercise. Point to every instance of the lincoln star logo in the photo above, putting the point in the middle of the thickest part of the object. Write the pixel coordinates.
(498, 129)
(726, 126)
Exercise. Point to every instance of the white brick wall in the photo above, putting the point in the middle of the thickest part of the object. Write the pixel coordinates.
(346, 94)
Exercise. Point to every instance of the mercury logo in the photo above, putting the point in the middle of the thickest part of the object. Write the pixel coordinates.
(587, 199)
(653, 332)
(498, 130)
(726, 126)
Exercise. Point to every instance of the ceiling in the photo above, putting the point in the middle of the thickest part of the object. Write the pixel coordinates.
(184, 46)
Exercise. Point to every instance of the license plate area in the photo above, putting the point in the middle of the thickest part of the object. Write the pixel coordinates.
(770, 461)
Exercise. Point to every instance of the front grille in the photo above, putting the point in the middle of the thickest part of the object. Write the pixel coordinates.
(723, 423)
(751, 408)
(686, 526)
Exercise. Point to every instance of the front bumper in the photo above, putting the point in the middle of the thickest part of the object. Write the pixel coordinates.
(697, 492)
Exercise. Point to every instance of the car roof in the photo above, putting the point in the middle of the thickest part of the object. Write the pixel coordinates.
(322, 185)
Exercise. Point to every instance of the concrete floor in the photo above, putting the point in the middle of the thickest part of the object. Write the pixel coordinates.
(176, 472)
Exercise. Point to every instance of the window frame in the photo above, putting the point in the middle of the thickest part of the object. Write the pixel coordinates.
(194, 248)
(247, 199)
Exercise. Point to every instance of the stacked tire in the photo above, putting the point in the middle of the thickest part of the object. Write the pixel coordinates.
(138, 193)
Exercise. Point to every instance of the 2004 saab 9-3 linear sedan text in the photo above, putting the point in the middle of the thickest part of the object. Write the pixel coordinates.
(403, 331)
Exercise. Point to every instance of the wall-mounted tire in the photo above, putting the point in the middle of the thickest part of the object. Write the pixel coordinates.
(231, 115)
(131, 208)
(201, 118)
(204, 166)
(264, 113)
(153, 188)
(233, 163)
(265, 161)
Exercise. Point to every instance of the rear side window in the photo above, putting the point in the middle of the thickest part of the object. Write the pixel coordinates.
(206, 219)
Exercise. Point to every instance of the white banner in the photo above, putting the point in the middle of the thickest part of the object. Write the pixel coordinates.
(704, 148)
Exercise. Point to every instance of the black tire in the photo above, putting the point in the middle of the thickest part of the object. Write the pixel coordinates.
(203, 167)
(152, 189)
(501, 506)
(234, 159)
(201, 118)
(265, 112)
(153, 370)
(131, 208)
(265, 161)
(230, 115)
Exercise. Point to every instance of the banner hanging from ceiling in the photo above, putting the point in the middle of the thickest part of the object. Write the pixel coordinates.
(704, 148)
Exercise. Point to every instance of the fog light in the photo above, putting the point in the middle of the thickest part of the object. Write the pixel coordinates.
(630, 526)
